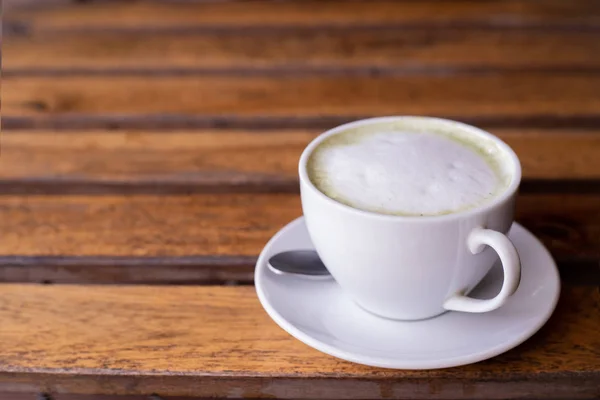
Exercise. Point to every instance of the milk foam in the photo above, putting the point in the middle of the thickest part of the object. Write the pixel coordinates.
(404, 172)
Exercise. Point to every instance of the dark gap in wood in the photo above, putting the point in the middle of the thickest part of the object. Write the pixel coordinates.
(296, 70)
(16, 28)
(126, 261)
(574, 186)
(265, 122)
(174, 270)
(579, 272)
(192, 270)
(24, 27)
(65, 186)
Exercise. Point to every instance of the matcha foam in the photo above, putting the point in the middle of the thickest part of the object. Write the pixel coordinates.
(398, 170)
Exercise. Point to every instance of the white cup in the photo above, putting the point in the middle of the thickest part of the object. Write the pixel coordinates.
(413, 268)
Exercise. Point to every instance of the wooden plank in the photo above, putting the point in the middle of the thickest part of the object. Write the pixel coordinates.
(216, 238)
(18, 396)
(227, 224)
(385, 50)
(265, 161)
(229, 160)
(218, 342)
(145, 14)
(514, 95)
(206, 225)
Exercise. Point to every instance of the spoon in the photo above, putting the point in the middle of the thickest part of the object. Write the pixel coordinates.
(299, 262)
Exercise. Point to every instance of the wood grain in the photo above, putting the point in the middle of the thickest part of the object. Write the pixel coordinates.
(257, 64)
(145, 14)
(212, 239)
(297, 96)
(217, 341)
(385, 50)
(63, 396)
(19, 396)
(228, 224)
(229, 160)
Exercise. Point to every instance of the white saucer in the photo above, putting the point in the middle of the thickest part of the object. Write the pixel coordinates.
(319, 314)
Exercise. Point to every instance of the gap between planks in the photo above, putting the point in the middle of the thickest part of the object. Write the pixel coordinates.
(553, 14)
(160, 122)
(60, 186)
(191, 270)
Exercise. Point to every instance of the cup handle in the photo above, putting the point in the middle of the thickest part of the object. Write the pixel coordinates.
(511, 265)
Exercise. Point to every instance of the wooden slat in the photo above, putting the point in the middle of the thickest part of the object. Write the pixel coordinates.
(218, 342)
(184, 159)
(488, 95)
(227, 224)
(215, 238)
(97, 14)
(317, 50)
(207, 225)
(18, 396)
(225, 160)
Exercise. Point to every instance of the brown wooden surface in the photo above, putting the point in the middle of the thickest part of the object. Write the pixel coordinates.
(336, 50)
(213, 160)
(18, 396)
(154, 142)
(182, 338)
(479, 95)
(70, 396)
(214, 237)
(143, 15)
(227, 224)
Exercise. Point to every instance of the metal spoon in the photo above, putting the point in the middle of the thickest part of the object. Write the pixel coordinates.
(299, 262)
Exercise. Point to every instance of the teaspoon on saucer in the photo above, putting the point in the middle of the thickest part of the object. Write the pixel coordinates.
(299, 262)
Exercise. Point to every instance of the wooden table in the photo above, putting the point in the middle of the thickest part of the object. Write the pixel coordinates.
(149, 151)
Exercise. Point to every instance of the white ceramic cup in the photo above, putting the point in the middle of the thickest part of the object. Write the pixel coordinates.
(413, 268)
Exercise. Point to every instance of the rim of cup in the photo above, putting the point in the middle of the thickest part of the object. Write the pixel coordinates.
(509, 191)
